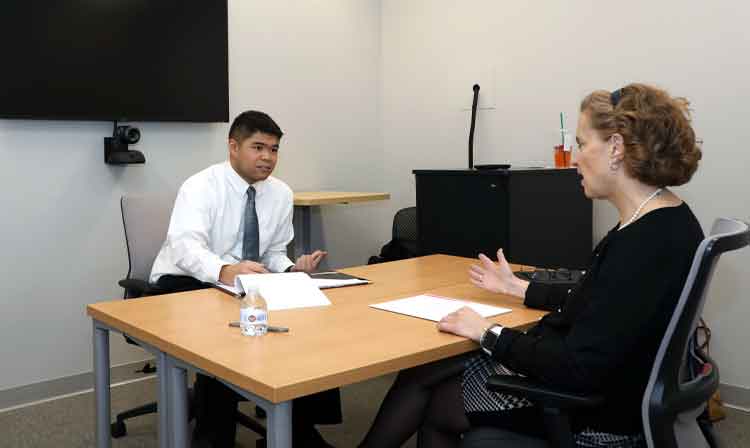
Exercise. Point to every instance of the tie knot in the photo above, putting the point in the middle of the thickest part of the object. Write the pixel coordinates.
(251, 192)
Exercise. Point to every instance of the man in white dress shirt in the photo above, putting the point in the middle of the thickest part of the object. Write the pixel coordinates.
(235, 218)
(205, 237)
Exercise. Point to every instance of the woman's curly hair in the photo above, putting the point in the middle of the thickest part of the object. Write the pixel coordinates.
(660, 144)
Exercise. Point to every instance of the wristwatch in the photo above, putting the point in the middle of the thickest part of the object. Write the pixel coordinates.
(489, 338)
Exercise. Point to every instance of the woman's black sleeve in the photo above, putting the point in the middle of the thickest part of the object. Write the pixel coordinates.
(625, 304)
(545, 297)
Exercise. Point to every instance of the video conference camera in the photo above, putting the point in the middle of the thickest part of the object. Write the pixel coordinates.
(127, 134)
(116, 150)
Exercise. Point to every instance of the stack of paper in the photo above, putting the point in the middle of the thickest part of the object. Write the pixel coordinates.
(322, 280)
(434, 308)
(333, 279)
(284, 291)
(325, 283)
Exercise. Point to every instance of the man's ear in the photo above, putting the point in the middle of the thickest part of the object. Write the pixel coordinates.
(234, 147)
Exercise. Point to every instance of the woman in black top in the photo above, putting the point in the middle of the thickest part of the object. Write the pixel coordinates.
(600, 336)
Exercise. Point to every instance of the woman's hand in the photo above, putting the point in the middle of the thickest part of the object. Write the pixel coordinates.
(497, 278)
(464, 322)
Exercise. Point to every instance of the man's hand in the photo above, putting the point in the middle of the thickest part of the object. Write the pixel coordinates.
(464, 322)
(309, 263)
(230, 271)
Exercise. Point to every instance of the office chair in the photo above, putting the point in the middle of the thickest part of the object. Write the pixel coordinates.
(145, 220)
(682, 378)
(404, 239)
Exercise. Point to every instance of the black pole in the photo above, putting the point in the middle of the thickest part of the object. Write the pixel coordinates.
(473, 122)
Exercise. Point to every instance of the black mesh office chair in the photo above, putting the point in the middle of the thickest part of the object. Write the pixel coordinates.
(404, 241)
(145, 220)
(682, 378)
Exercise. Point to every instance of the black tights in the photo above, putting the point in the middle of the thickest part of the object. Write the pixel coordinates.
(427, 399)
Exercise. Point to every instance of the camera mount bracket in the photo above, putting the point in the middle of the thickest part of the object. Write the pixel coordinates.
(116, 150)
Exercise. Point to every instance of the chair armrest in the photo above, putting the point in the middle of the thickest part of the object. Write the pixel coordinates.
(137, 287)
(542, 394)
(697, 391)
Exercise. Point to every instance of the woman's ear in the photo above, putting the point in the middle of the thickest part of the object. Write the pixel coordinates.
(617, 150)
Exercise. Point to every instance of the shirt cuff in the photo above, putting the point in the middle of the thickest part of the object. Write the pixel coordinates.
(285, 267)
(276, 262)
(213, 269)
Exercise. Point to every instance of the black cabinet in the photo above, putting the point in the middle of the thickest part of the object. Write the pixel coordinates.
(539, 217)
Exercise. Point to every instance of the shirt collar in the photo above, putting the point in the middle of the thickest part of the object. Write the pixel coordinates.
(239, 184)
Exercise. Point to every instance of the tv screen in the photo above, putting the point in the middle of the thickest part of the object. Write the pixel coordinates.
(123, 60)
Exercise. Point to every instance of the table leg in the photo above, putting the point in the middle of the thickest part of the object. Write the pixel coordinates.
(177, 412)
(302, 232)
(279, 429)
(306, 224)
(279, 418)
(101, 385)
(162, 406)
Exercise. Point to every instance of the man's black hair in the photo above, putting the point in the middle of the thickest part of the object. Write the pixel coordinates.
(249, 122)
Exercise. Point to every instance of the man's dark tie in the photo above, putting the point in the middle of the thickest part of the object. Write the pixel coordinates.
(251, 238)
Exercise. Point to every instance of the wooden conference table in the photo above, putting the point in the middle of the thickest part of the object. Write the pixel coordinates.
(327, 347)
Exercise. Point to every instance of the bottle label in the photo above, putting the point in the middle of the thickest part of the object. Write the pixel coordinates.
(253, 316)
(251, 319)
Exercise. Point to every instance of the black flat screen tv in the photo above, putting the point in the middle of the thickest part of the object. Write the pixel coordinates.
(114, 60)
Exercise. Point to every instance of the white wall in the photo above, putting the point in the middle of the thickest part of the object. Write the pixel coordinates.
(314, 66)
(536, 59)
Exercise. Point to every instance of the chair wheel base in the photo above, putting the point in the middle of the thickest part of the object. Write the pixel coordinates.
(118, 429)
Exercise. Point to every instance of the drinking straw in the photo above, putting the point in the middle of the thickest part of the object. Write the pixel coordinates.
(562, 128)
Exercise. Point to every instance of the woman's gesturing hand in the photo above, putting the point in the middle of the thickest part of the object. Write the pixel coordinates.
(498, 278)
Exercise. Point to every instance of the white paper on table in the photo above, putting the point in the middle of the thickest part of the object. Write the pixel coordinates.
(284, 291)
(320, 283)
(434, 308)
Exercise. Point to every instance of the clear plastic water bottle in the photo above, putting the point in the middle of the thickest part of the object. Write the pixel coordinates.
(253, 313)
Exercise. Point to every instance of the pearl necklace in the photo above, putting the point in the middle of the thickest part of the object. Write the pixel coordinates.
(640, 207)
